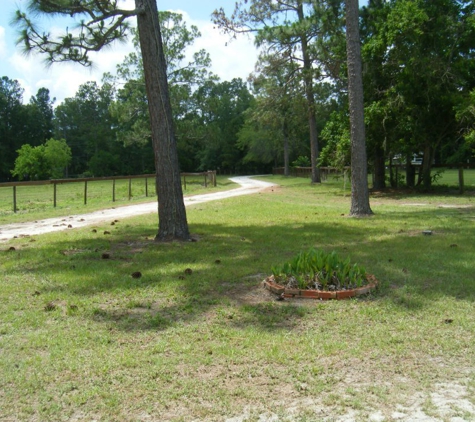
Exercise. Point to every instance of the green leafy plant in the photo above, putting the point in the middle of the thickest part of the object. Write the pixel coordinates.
(42, 161)
(316, 269)
(301, 161)
(436, 175)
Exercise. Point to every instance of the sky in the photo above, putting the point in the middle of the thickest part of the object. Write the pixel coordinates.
(230, 58)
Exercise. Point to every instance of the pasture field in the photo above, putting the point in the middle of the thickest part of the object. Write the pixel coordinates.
(195, 337)
(36, 202)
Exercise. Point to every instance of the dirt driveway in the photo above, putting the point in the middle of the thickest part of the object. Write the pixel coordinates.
(247, 184)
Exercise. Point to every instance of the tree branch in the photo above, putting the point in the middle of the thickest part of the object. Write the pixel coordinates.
(94, 33)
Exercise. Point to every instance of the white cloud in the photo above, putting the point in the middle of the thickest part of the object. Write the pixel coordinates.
(33, 74)
(64, 79)
(230, 58)
(3, 45)
(127, 4)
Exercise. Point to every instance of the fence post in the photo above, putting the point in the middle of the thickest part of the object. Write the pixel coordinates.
(113, 190)
(184, 182)
(130, 189)
(206, 180)
(85, 192)
(211, 177)
(14, 199)
(54, 194)
(146, 187)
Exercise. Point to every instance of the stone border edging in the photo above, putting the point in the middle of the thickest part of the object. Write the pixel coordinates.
(270, 285)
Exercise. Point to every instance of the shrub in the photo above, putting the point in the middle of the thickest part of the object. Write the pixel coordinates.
(301, 161)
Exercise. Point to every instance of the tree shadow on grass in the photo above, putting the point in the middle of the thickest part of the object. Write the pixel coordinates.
(427, 257)
(268, 316)
(227, 266)
(440, 191)
(228, 262)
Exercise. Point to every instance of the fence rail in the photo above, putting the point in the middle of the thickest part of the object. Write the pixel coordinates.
(209, 177)
(307, 171)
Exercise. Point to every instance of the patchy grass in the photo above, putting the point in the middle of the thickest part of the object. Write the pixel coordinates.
(82, 339)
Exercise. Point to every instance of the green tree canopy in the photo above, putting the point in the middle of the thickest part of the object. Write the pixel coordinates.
(220, 115)
(300, 31)
(184, 77)
(12, 123)
(420, 65)
(43, 161)
(89, 129)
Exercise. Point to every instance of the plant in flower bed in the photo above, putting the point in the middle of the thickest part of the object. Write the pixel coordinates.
(319, 270)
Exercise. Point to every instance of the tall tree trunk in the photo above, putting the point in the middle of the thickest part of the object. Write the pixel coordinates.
(394, 170)
(312, 120)
(427, 167)
(410, 172)
(461, 182)
(379, 169)
(172, 223)
(359, 171)
(285, 131)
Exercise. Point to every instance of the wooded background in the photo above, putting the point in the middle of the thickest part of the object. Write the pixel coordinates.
(419, 87)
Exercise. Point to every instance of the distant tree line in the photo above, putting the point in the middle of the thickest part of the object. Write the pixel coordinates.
(419, 96)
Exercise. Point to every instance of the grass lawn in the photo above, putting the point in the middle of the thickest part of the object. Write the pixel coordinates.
(81, 339)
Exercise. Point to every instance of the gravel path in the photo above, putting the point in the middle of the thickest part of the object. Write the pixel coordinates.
(9, 231)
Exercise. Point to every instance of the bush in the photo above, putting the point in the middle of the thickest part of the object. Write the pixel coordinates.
(42, 162)
(301, 161)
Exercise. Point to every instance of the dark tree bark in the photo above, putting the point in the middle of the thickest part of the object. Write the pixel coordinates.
(410, 173)
(379, 182)
(285, 131)
(427, 167)
(461, 182)
(172, 222)
(359, 172)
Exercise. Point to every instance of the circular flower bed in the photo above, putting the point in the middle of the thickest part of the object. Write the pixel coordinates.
(321, 275)
(288, 292)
